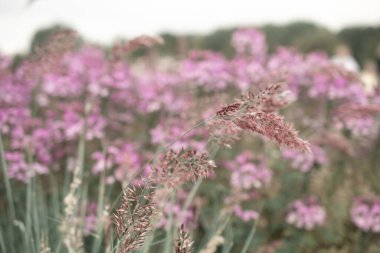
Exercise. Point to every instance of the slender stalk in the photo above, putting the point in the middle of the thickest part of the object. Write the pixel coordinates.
(169, 233)
(37, 221)
(2, 244)
(100, 208)
(148, 242)
(158, 242)
(252, 233)
(7, 183)
(191, 196)
(362, 243)
(229, 240)
(228, 247)
(28, 236)
(82, 148)
(8, 189)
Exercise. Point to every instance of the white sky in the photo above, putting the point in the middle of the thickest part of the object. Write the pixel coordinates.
(104, 20)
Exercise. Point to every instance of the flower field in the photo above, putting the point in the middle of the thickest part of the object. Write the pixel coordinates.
(105, 151)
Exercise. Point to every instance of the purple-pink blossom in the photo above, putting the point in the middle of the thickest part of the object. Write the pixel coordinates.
(248, 173)
(303, 161)
(365, 214)
(306, 214)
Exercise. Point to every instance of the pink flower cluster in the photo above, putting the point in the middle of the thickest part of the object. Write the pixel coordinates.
(306, 214)
(248, 174)
(365, 126)
(250, 41)
(207, 69)
(245, 215)
(365, 214)
(20, 169)
(115, 100)
(305, 161)
(90, 220)
(360, 119)
(120, 162)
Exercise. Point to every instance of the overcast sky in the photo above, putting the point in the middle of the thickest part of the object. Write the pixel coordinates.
(104, 20)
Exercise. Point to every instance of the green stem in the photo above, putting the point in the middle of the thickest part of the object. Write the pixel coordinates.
(148, 242)
(2, 244)
(252, 233)
(362, 245)
(169, 233)
(99, 221)
(7, 183)
(8, 189)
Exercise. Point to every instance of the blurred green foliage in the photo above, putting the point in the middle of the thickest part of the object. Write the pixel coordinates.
(305, 36)
(363, 41)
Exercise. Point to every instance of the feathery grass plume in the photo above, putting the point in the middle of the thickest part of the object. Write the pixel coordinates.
(272, 126)
(133, 219)
(257, 113)
(183, 243)
(213, 244)
(70, 229)
(223, 132)
(177, 167)
(274, 97)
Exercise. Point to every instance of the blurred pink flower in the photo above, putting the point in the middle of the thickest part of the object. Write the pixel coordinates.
(365, 214)
(304, 162)
(250, 41)
(207, 69)
(245, 215)
(248, 173)
(306, 214)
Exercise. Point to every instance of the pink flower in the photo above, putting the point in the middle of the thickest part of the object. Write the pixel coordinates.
(359, 118)
(306, 214)
(120, 162)
(304, 162)
(207, 69)
(19, 169)
(245, 215)
(250, 42)
(365, 214)
(375, 214)
(90, 220)
(248, 173)
(247, 73)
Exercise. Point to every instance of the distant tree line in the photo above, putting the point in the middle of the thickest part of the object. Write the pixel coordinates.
(305, 36)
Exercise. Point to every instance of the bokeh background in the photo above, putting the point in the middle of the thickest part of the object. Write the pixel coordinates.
(93, 93)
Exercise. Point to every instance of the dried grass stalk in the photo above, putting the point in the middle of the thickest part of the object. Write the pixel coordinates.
(257, 113)
(177, 167)
(183, 244)
(134, 217)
